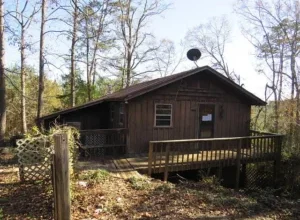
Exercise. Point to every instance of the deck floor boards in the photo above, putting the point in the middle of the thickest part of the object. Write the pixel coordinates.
(132, 165)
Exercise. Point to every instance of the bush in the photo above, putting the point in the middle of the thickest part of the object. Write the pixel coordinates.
(290, 176)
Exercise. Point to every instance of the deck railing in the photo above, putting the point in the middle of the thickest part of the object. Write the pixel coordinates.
(176, 155)
(103, 142)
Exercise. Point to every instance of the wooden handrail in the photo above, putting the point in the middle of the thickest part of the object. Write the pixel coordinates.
(214, 139)
(169, 155)
(103, 130)
(265, 133)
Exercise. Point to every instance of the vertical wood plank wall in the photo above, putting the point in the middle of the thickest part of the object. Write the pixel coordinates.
(185, 96)
(93, 117)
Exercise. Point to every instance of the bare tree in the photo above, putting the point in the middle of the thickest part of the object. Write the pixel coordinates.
(167, 59)
(2, 75)
(273, 29)
(23, 17)
(211, 38)
(94, 22)
(73, 44)
(41, 60)
(132, 25)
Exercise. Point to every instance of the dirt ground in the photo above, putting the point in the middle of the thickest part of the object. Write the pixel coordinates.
(97, 195)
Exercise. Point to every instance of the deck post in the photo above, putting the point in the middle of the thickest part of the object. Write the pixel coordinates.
(150, 158)
(167, 162)
(238, 165)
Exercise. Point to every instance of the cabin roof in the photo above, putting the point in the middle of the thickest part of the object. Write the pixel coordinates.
(148, 86)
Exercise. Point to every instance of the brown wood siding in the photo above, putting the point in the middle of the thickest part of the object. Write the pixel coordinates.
(94, 117)
(185, 97)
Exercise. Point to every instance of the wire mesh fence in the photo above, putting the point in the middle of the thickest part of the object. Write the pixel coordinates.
(259, 175)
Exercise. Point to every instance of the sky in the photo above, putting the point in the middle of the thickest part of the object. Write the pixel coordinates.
(173, 25)
(186, 14)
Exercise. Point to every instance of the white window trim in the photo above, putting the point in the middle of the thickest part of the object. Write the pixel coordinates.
(171, 118)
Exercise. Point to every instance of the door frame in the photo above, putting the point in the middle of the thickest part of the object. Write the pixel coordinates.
(197, 130)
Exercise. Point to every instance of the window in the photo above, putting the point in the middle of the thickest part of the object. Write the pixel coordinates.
(163, 115)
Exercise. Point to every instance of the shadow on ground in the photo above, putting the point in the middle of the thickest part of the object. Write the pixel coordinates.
(22, 200)
(191, 200)
(26, 201)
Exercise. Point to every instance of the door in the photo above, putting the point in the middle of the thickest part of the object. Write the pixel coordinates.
(206, 121)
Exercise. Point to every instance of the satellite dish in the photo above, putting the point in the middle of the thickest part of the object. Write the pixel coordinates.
(194, 54)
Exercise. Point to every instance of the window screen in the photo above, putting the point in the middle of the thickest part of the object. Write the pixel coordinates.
(163, 115)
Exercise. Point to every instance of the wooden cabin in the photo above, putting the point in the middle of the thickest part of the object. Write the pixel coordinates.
(199, 103)
(190, 120)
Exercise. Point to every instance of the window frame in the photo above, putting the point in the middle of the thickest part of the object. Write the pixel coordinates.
(171, 116)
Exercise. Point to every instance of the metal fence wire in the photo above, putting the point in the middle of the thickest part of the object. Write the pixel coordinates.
(259, 175)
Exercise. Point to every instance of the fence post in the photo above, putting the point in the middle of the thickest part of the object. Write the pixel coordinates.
(62, 177)
(150, 159)
(167, 162)
(238, 165)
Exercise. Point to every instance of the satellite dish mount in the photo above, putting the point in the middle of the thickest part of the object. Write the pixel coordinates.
(194, 55)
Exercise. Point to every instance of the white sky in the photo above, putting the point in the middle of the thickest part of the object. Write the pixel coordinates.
(173, 25)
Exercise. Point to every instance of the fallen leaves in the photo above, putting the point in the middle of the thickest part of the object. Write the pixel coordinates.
(114, 198)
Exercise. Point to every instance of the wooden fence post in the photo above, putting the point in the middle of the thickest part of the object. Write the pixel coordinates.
(238, 165)
(61, 177)
(167, 162)
(150, 159)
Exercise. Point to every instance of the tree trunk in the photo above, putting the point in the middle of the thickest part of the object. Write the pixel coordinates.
(2, 77)
(295, 121)
(73, 68)
(128, 70)
(88, 78)
(41, 67)
(23, 83)
(293, 88)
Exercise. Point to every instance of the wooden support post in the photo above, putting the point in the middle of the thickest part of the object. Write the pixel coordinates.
(167, 162)
(62, 177)
(238, 165)
(150, 157)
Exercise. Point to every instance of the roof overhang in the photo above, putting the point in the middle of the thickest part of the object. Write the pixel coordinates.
(161, 83)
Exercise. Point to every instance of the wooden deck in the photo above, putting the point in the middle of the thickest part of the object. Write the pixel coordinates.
(180, 155)
(137, 164)
(118, 167)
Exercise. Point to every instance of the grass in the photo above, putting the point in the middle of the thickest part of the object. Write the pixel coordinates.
(139, 183)
(94, 176)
